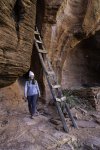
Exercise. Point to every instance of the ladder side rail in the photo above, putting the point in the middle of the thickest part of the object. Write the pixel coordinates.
(58, 107)
(53, 94)
(40, 39)
(59, 90)
(69, 112)
(70, 116)
(47, 58)
(41, 59)
(49, 64)
(54, 76)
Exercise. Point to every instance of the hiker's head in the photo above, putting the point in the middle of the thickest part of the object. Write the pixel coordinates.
(31, 75)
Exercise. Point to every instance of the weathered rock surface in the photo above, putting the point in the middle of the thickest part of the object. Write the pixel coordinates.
(19, 132)
(17, 20)
(86, 124)
(75, 20)
(65, 23)
(12, 98)
(71, 34)
(92, 143)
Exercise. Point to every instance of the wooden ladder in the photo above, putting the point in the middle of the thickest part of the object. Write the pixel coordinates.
(56, 90)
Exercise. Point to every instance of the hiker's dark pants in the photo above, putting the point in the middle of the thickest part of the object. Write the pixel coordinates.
(32, 100)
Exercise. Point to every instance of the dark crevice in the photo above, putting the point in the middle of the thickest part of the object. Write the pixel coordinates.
(18, 14)
(92, 57)
(40, 10)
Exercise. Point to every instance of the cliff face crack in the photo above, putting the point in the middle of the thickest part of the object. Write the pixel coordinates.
(18, 14)
(40, 14)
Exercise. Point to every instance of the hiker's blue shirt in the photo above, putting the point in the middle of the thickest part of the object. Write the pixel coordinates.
(31, 89)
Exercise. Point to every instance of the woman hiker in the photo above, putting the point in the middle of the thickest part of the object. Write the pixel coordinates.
(32, 93)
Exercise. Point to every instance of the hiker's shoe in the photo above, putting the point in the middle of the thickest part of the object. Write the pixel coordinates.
(32, 117)
(37, 113)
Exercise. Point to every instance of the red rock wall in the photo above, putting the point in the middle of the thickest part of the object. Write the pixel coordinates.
(74, 21)
(16, 38)
(64, 23)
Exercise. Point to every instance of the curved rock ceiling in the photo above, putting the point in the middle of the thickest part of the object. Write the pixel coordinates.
(74, 21)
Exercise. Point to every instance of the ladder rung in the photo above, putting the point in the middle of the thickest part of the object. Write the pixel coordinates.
(36, 28)
(58, 99)
(36, 32)
(56, 86)
(38, 41)
(50, 73)
(42, 51)
(61, 99)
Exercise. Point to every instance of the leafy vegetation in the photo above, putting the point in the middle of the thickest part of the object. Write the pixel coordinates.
(74, 100)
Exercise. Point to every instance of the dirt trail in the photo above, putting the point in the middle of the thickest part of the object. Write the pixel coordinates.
(19, 132)
(44, 132)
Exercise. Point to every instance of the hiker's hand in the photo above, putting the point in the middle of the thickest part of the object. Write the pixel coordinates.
(39, 95)
(25, 99)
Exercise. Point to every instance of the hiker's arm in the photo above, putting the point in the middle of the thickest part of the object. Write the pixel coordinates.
(38, 88)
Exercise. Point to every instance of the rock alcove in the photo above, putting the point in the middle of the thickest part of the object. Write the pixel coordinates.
(82, 66)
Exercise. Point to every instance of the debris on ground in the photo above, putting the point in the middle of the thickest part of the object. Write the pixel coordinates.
(45, 132)
(92, 143)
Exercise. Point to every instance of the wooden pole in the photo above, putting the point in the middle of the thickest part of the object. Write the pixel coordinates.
(56, 103)
(71, 117)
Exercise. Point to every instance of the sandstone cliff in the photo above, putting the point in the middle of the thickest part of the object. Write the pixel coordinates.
(17, 20)
(70, 22)
(71, 33)
(66, 26)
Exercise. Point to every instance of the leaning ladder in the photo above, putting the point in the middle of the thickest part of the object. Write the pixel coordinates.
(55, 88)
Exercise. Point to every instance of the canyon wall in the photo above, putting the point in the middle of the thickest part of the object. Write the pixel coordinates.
(71, 34)
(70, 22)
(17, 21)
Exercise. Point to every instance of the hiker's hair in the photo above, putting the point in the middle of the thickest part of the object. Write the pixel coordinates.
(33, 81)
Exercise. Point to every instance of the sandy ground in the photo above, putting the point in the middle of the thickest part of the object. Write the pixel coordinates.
(44, 132)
